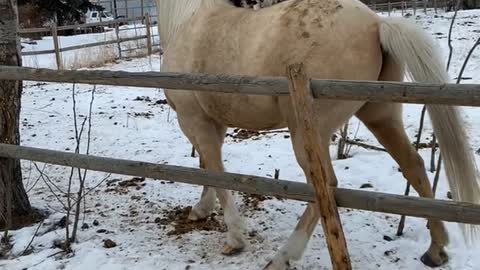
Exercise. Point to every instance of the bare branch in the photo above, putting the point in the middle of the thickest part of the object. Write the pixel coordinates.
(83, 178)
(43, 177)
(437, 174)
(432, 155)
(465, 63)
(33, 238)
(450, 47)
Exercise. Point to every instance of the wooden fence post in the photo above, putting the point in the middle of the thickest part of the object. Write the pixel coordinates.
(425, 6)
(142, 7)
(149, 34)
(389, 8)
(403, 8)
(414, 7)
(126, 9)
(319, 174)
(56, 46)
(117, 33)
(115, 9)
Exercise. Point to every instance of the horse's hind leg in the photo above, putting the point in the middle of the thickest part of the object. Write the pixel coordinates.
(207, 136)
(205, 206)
(332, 114)
(385, 122)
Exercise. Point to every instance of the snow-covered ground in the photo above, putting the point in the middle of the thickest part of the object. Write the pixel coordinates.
(128, 125)
(89, 56)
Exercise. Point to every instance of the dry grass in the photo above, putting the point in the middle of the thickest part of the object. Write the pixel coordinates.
(89, 57)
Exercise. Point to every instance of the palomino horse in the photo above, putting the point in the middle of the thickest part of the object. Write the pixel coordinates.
(334, 39)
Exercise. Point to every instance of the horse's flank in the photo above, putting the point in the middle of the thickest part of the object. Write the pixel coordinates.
(330, 43)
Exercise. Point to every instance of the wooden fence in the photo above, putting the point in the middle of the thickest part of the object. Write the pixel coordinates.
(414, 5)
(295, 85)
(374, 91)
(57, 49)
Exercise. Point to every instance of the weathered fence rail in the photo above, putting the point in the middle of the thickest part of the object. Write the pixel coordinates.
(420, 93)
(83, 25)
(347, 198)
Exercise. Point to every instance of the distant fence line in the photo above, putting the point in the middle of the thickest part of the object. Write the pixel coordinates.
(57, 50)
(413, 5)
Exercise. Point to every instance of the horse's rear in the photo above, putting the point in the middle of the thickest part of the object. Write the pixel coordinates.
(334, 39)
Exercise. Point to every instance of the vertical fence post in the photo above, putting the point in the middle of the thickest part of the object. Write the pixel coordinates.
(149, 34)
(126, 9)
(374, 2)
(414, 7)
(56, 46)
(425, 6)
(319, 174)
(403, 8)
(389, 8)
(117, 33)
(115, 9)
(435, 6)
(142, 7)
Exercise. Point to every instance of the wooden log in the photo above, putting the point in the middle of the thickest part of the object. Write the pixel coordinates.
(149, 34)
(320, 174)
(38, 52)
(371, 91)
(101, 43)
(33, 30)
(348, 198)
(56, 46)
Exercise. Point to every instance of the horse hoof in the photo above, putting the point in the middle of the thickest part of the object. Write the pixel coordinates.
(230, 251)
(195, 215)
(439, 260)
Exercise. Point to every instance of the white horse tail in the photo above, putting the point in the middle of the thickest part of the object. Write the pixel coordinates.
(411, 46)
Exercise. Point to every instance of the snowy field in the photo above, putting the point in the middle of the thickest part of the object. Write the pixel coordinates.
(132, 123)
(92, 56)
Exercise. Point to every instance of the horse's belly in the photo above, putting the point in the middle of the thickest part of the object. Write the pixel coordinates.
(243, 111)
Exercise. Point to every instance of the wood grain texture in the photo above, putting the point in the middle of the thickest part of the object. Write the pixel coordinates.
(348, 198)
(319, 173)
(419, 93)
(56, 47)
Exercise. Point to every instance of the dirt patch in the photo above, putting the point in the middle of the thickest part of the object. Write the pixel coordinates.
(178, 218)
(151, 102)
(122, 187)
(253, 201)
(244, 134)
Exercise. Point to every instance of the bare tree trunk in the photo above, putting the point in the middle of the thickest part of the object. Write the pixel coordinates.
(13, 198)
